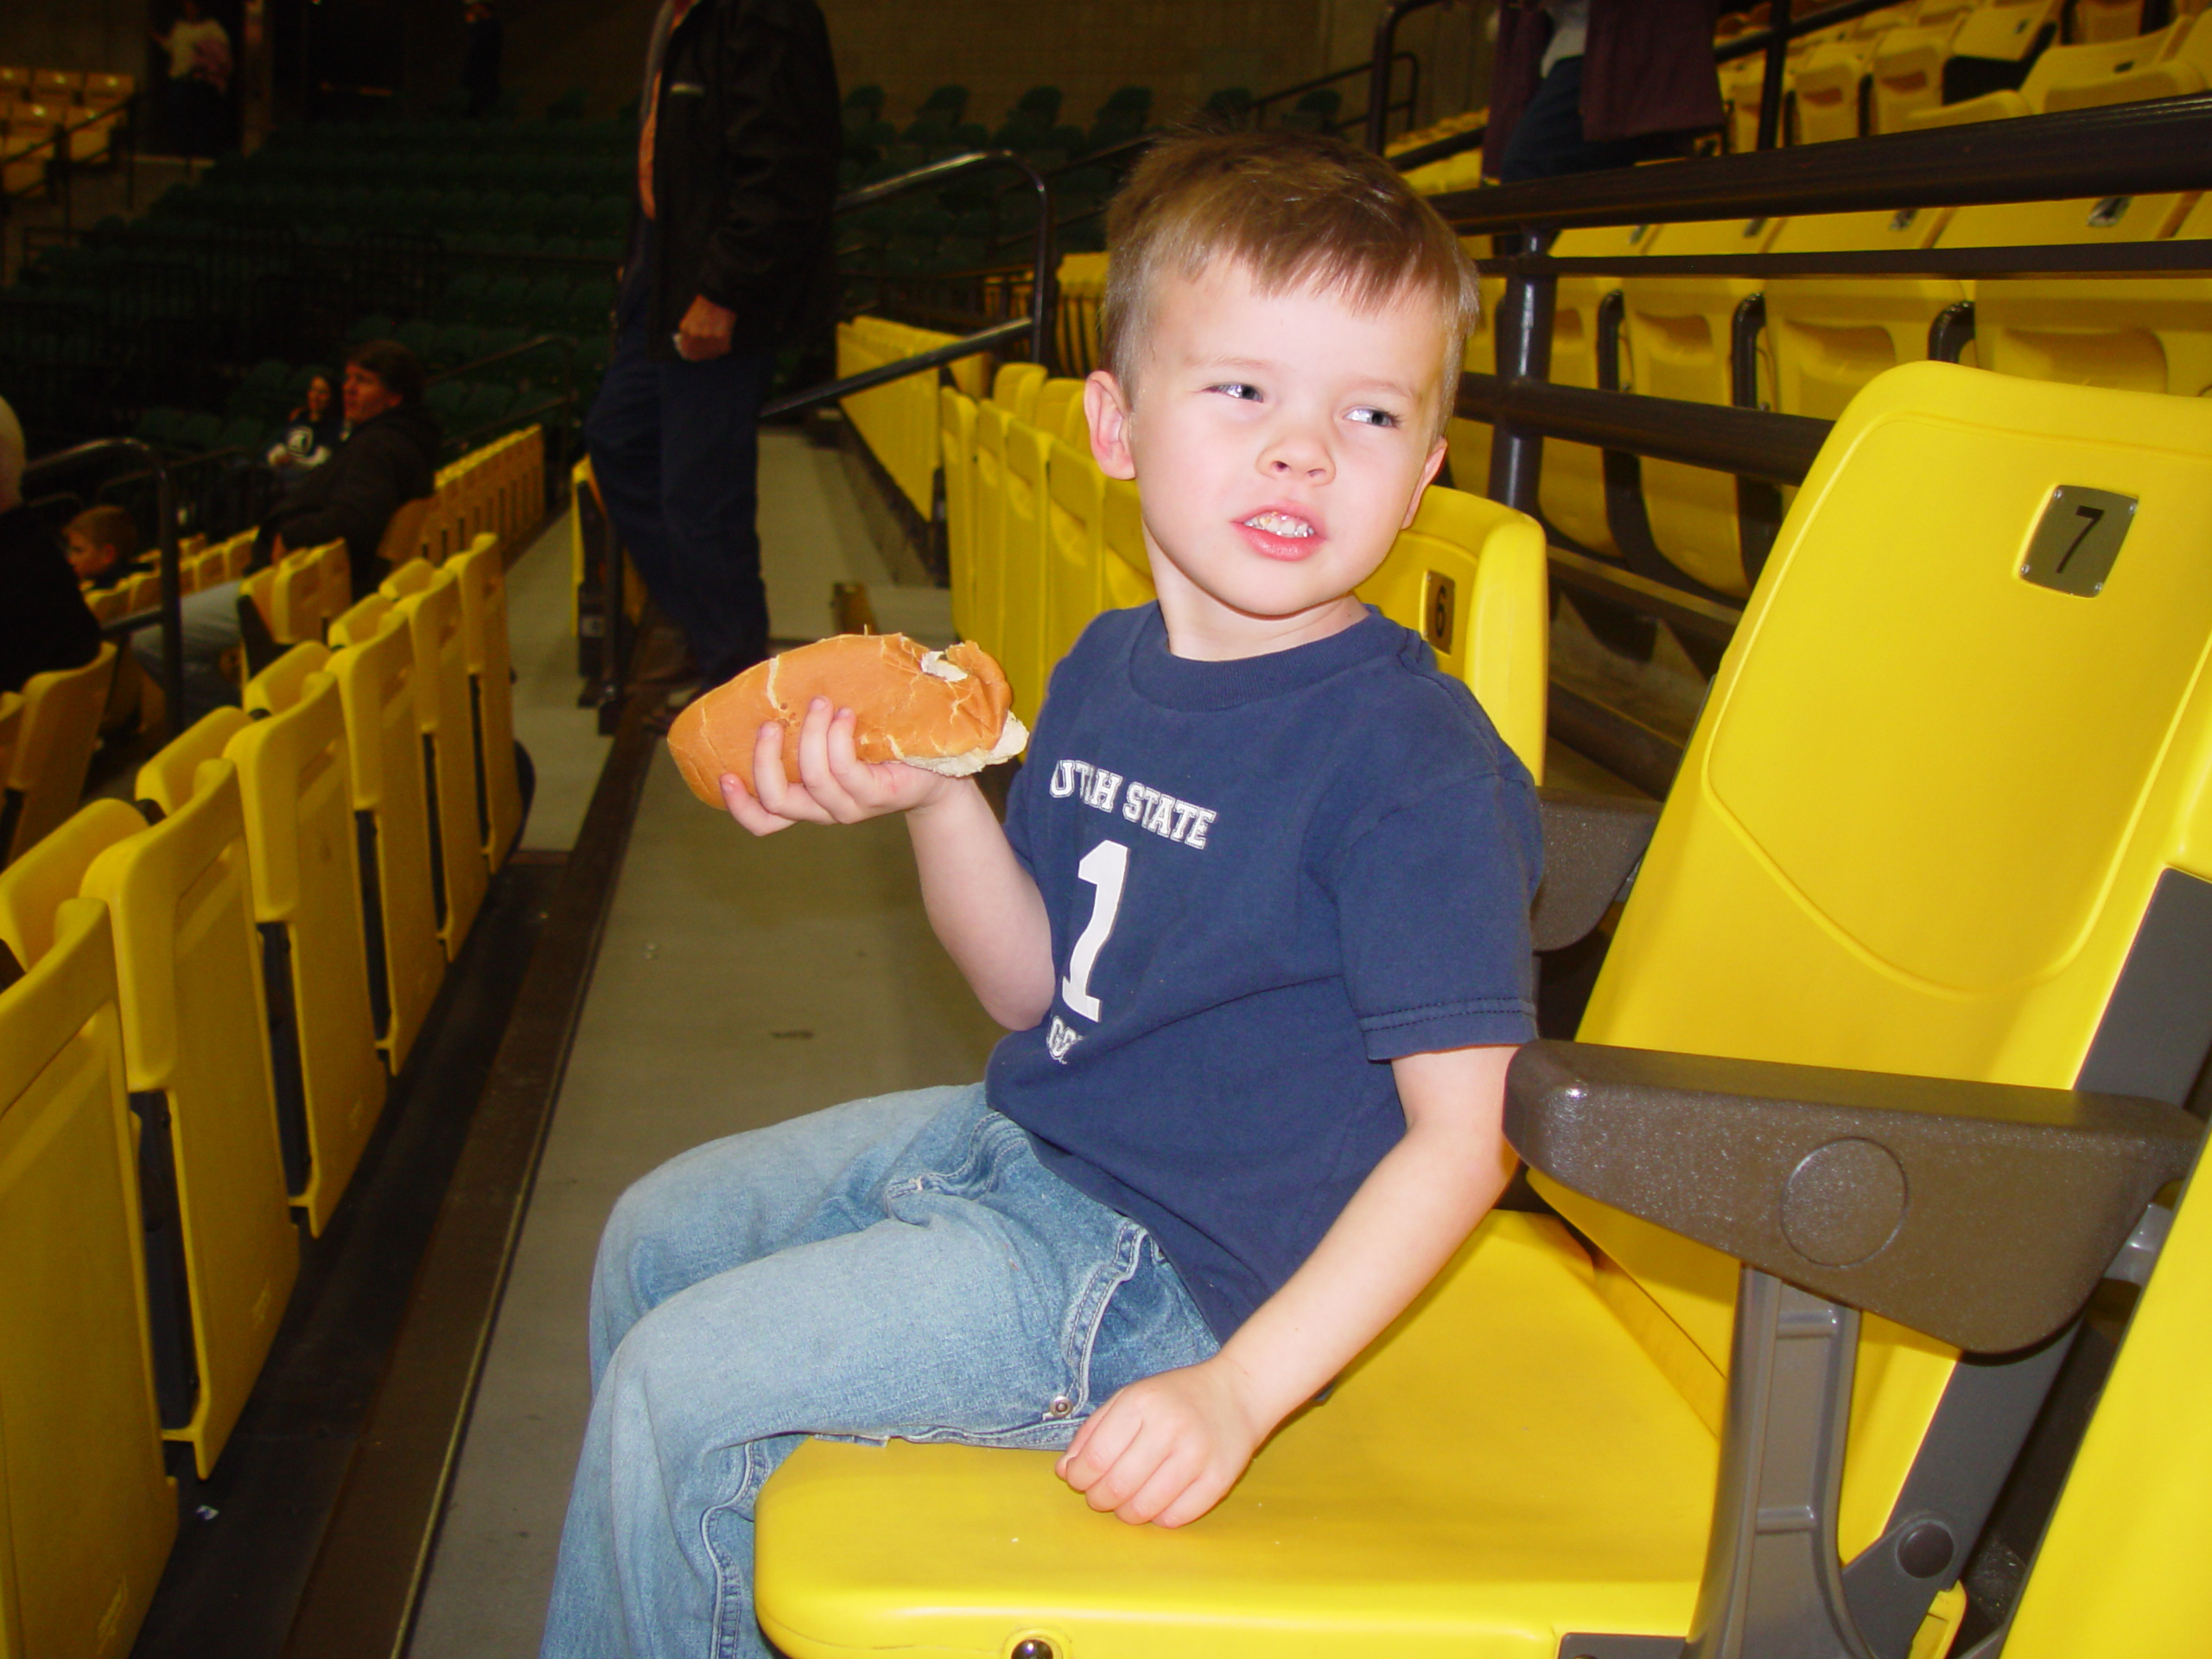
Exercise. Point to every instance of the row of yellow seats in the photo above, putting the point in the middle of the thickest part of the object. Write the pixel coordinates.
(252, 965)
(1827, 337)
(1533, 1449)
(1041, 541)
(898, 420)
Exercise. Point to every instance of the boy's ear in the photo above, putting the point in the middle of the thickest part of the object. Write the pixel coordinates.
(1436, 453)
(1107, 409)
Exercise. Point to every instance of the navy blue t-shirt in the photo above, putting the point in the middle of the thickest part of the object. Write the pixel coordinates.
(1267, 878)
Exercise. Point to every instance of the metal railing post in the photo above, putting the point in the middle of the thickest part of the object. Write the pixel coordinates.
(1777, 65)
(1524, 352)
(1378, 70)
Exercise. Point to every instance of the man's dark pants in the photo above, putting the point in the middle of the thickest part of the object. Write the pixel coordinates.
(676, 450)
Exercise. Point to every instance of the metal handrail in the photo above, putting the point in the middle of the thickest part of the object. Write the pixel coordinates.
(1381, 63)
(172, 612)
(2158, 146)
(567, 342)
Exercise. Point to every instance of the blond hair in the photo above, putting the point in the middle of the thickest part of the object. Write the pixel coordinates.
(1297, 211)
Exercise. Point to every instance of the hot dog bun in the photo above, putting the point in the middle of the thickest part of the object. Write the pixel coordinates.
(947, 711)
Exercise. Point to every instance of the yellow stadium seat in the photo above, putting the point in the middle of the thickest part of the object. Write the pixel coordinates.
(1830, 335)
(1020, 650)
(1679, 334)
(61, 723)
(59, 84)
(284, 681)
(459, 872)
(985, 621)
(86, 1512)
(1905, 73)
(1470, 576)
(195, 1045)
(1014, 388)
(499, 806)
(2082, 77)
(1828, 885)
(1572, 490)
(2181, 65)
(1126, 576)
(1828, 85)
(237, 554)
(2106, 20)
(1054, 398)
(142, 592)
(2151, 334)
(956, 443)
(403, 538)
(412, 577)
(1075, 511)
(169, 778)
(11, 725)
(107, 603)
(384, 748)
(292, 770)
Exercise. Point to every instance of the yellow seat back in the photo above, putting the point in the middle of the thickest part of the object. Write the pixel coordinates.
(2152, 333)
(433, 617)
(384, 750)
(1680, 346)
(402, 537)
(412, 577)
(1891, 854)
(1907, 69)
(87, 1513)
(987, 608)
(168, 778)
(1470, 576)
(1075, 506)
(280, 684)
(11, 725)
(1828, 84)
(1054, 397)
(306, 891)
(142, 592)
(1014, 388)
(1572, 489)
(2116, 69)
(956, 444)
(194, 1030)
(491, 697)
(1022, 579)
(1125, 578)
(59, 726)
(1830, 335)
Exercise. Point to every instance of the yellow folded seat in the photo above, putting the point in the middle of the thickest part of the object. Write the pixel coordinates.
(984, 622)
(87, 1513)
(1587, 350)
(461, 874)
(956, 442)
(1075, 510)
(1921, 841)
(499, 804)
(55, 738)
(1127, 577)
(1025, 547)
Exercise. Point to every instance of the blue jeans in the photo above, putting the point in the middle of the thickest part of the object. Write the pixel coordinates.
(900, 1268)
(211, 627)
(676, 450)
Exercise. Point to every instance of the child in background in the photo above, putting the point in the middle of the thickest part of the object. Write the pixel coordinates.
(1256, 921)
(103, 545)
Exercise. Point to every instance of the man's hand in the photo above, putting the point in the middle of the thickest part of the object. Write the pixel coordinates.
(704, 332)
(836, 785)
(1167, 1449)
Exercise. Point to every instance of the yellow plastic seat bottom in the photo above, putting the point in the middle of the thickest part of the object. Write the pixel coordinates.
(1506, 1466)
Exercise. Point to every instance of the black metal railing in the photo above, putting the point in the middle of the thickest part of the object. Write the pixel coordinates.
(1380, 65)
(49, 471)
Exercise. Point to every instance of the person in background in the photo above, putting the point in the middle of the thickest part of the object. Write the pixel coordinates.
(479, 62)
(44, 623)
(103, 545)
(311, 435)
(390, 458)
(730, 254)
(1581, 85)
(199, 79)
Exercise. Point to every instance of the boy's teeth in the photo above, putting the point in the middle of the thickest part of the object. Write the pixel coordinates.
(1279, 524)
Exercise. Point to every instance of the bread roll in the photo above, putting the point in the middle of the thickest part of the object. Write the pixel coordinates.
(947, 711)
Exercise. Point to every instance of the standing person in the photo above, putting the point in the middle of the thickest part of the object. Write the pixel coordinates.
(1582, 85)
(730, 254)
(199, 77)
(479, 63)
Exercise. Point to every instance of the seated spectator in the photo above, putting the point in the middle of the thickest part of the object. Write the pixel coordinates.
(312, 433)
(390, 458)
(103, 546)
(44, 624)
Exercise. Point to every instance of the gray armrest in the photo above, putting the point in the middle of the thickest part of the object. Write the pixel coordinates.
(1983, 1214)
(1592, 845)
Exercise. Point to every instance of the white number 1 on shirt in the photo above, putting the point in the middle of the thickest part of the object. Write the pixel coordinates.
(1105, 866)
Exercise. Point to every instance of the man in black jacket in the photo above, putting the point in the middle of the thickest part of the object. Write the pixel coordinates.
(43, 622)
(391, 458)
(730, 255)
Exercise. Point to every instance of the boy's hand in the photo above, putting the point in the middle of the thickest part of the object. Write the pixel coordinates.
(1167, 1449)
(836, 785)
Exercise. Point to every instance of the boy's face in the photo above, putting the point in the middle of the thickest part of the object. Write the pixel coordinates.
(1282, 442)
(86, 556)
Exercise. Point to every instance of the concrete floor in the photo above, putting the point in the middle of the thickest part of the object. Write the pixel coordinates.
(740, 982)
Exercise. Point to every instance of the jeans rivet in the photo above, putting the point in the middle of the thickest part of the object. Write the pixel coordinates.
(1060, 1406)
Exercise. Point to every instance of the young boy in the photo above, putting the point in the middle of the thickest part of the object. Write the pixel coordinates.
(1257, 922)
(103, 542)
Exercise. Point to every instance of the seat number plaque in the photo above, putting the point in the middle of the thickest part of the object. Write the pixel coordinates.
(2077, 538)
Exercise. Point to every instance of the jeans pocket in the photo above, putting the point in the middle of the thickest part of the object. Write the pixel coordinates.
(1148, 1325)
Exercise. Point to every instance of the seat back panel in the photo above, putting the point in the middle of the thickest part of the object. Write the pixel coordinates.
(1074, 507)
(441, 705)
(483, 632)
